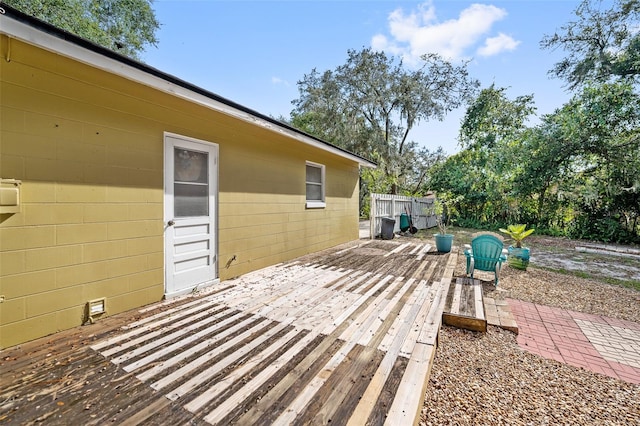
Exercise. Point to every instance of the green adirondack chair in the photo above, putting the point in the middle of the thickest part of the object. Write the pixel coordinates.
(486, 253)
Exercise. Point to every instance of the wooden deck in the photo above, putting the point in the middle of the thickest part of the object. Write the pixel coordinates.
(345, 336)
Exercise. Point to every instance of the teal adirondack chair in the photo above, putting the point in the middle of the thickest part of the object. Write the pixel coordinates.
(486, 253)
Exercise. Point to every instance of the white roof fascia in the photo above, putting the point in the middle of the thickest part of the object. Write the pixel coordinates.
(23, 32)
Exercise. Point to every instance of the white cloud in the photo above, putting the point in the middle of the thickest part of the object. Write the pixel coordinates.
(380, 43)
(278, 80)
(419, 31)
(494, 45)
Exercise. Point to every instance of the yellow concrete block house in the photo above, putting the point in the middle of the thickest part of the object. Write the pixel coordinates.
(123, 185)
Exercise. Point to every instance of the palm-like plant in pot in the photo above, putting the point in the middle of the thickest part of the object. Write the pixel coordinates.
(444, 241)
(518, 255)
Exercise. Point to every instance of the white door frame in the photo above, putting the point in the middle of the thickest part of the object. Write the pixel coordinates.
(169, 141)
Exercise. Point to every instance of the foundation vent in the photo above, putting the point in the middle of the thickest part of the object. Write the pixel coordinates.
(95, 308)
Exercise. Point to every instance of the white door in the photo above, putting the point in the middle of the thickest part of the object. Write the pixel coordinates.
(190, 213)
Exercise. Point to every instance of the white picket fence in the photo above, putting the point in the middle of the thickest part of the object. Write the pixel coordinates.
(392, 206)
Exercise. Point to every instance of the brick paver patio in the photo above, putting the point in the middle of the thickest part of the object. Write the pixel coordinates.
(605, 345)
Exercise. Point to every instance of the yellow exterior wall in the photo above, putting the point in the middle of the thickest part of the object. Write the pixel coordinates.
(88, 147)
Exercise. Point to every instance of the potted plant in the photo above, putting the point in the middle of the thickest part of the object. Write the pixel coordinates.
(518, 255)
(444, 241)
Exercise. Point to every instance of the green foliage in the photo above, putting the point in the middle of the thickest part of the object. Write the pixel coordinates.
(632, 284)
(465, 222)
(592, 161)
(606, 229)
(482, 174)
(602, 45)
(492, 120)
(444, 209)
(369, 106)
(518, 233)
(576, 173)
(124, 26)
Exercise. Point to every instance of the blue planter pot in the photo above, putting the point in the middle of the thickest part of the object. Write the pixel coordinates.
(518, 257)
(443, 242)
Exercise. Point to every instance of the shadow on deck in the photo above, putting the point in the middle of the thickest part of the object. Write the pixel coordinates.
(345, 336)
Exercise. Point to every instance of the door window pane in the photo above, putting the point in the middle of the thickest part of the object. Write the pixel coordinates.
(191, 183)
(190, 166)
(191, 200)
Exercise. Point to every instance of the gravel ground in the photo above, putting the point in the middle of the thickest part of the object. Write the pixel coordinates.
(480, 379)
(570, 292)
(485, 379)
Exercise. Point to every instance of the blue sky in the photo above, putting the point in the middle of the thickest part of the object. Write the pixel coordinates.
(254, 52)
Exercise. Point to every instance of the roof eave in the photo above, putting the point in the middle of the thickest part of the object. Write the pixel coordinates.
(22, 27)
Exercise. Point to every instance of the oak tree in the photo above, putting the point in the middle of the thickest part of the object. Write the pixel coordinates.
(124, 26)
(601, 44)
(370, 104)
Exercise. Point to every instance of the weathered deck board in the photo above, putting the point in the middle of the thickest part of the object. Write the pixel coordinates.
(343, 336)
(464, 306)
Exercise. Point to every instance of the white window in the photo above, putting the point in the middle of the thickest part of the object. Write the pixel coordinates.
(315, 186)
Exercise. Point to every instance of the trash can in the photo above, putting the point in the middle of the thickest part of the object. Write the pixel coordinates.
(404, 222)
(387, 228)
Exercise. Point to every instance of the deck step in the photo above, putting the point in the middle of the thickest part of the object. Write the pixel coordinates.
(466, 307)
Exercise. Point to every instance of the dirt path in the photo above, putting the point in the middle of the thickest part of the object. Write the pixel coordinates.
(598, 261)
(583, 258)
(589, 259)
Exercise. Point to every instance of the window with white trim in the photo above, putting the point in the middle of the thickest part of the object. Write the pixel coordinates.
(315, 186)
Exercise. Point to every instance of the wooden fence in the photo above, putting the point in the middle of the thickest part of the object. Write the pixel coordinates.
(392, 206)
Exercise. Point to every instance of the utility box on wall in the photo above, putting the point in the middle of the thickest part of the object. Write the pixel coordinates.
(10, 196)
